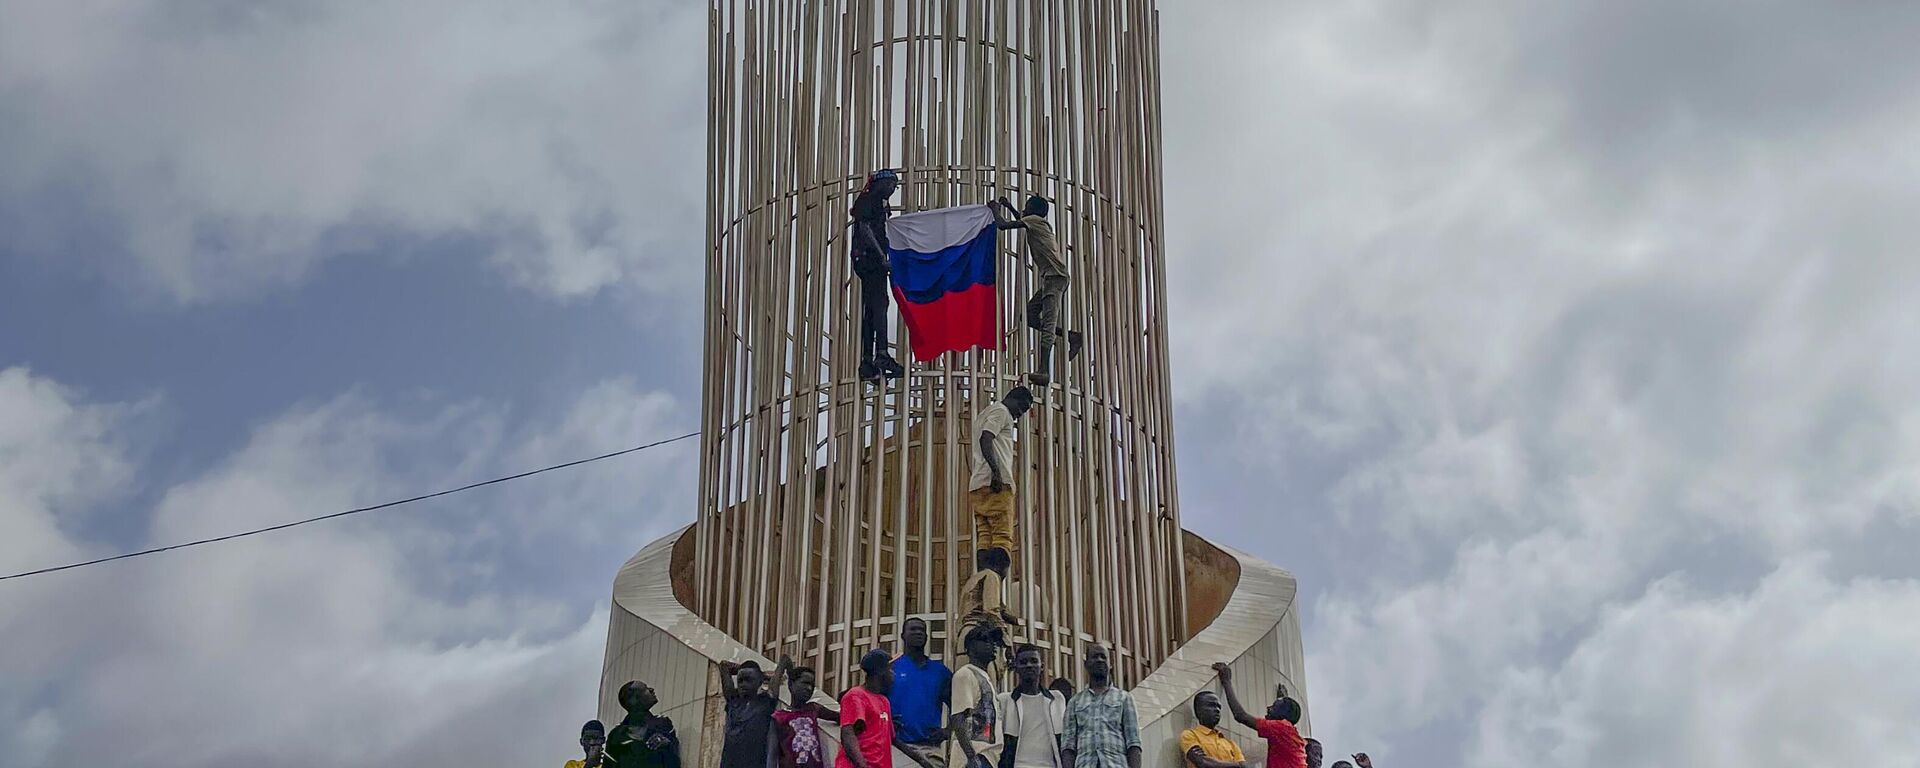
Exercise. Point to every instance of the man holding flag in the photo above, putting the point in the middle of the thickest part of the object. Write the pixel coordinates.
(1043, 310)
(869, 251)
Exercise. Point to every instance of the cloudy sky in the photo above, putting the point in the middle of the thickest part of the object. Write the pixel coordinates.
(1565, 351)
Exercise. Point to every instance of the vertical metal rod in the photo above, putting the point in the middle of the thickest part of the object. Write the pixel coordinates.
(829, 510)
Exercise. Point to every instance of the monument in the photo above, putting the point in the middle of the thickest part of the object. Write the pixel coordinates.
(832, 508)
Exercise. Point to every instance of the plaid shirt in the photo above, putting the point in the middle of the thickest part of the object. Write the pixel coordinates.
(1101, 727)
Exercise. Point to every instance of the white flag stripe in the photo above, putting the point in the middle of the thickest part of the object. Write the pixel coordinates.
(939, 229)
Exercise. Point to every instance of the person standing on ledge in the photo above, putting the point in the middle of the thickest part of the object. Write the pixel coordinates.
(643, 739)
(1205, 745)
(797, 734)
(919, 687)
(1285, 747)
(1043, 310)
(974, 727)
(593, 741)
(866, 720)
(990, 494)
(1033, 715)
(750, 702)
(868, 249)
(1103, 728)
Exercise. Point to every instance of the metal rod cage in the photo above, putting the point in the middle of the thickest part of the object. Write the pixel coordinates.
(831, 510)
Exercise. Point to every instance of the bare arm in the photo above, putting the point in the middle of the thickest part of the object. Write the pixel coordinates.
(1199, 759)
(911, 753)
(779, 678)
(850, 744)
(1233, 702)
(993, 462)
(728, 671)
(866, 235)
(957, 730)
(1005, 221)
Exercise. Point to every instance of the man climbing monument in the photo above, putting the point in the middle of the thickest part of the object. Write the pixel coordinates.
(1044, 309)
(990, 494)
(868, 249)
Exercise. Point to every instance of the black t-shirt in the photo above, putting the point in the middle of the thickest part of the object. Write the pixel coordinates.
(749, 723)
(870, 211)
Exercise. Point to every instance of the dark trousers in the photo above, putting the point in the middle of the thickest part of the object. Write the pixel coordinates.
(873, 314)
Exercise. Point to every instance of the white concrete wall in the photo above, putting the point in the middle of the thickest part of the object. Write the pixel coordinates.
(651, 637)
(1258, 633)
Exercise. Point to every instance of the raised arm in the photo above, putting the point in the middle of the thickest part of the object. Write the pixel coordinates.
(1004, 221)
(728, 672)
(1233, 702)
(779, 678)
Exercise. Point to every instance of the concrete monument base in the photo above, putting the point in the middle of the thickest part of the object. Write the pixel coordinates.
(1241, 611)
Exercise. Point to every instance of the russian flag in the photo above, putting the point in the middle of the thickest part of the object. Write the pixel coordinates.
(943, 264)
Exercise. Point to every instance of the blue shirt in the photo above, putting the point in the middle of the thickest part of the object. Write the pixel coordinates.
(916, 700)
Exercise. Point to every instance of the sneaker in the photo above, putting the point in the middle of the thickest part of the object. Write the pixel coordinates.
(869, 371)
(1038, 379)
(889, 366)
(1075, 341)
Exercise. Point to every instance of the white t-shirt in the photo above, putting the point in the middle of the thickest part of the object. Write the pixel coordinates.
(996, 419)
(1035, 721)
(974, 690)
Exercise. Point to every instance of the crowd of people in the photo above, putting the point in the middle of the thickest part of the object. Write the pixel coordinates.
(936, 716)
(944, 718)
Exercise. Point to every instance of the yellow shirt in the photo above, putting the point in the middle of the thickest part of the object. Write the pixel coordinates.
(1211, 742)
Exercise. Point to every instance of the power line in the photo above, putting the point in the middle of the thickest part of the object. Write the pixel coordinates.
(284, 526)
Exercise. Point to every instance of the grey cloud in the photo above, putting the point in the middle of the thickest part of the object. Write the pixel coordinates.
(360, 640)
(1561, 301)
(220, 146)
(1803, 669)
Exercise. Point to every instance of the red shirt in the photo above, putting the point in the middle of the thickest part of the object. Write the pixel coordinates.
(876, 740)
(1285, 748)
